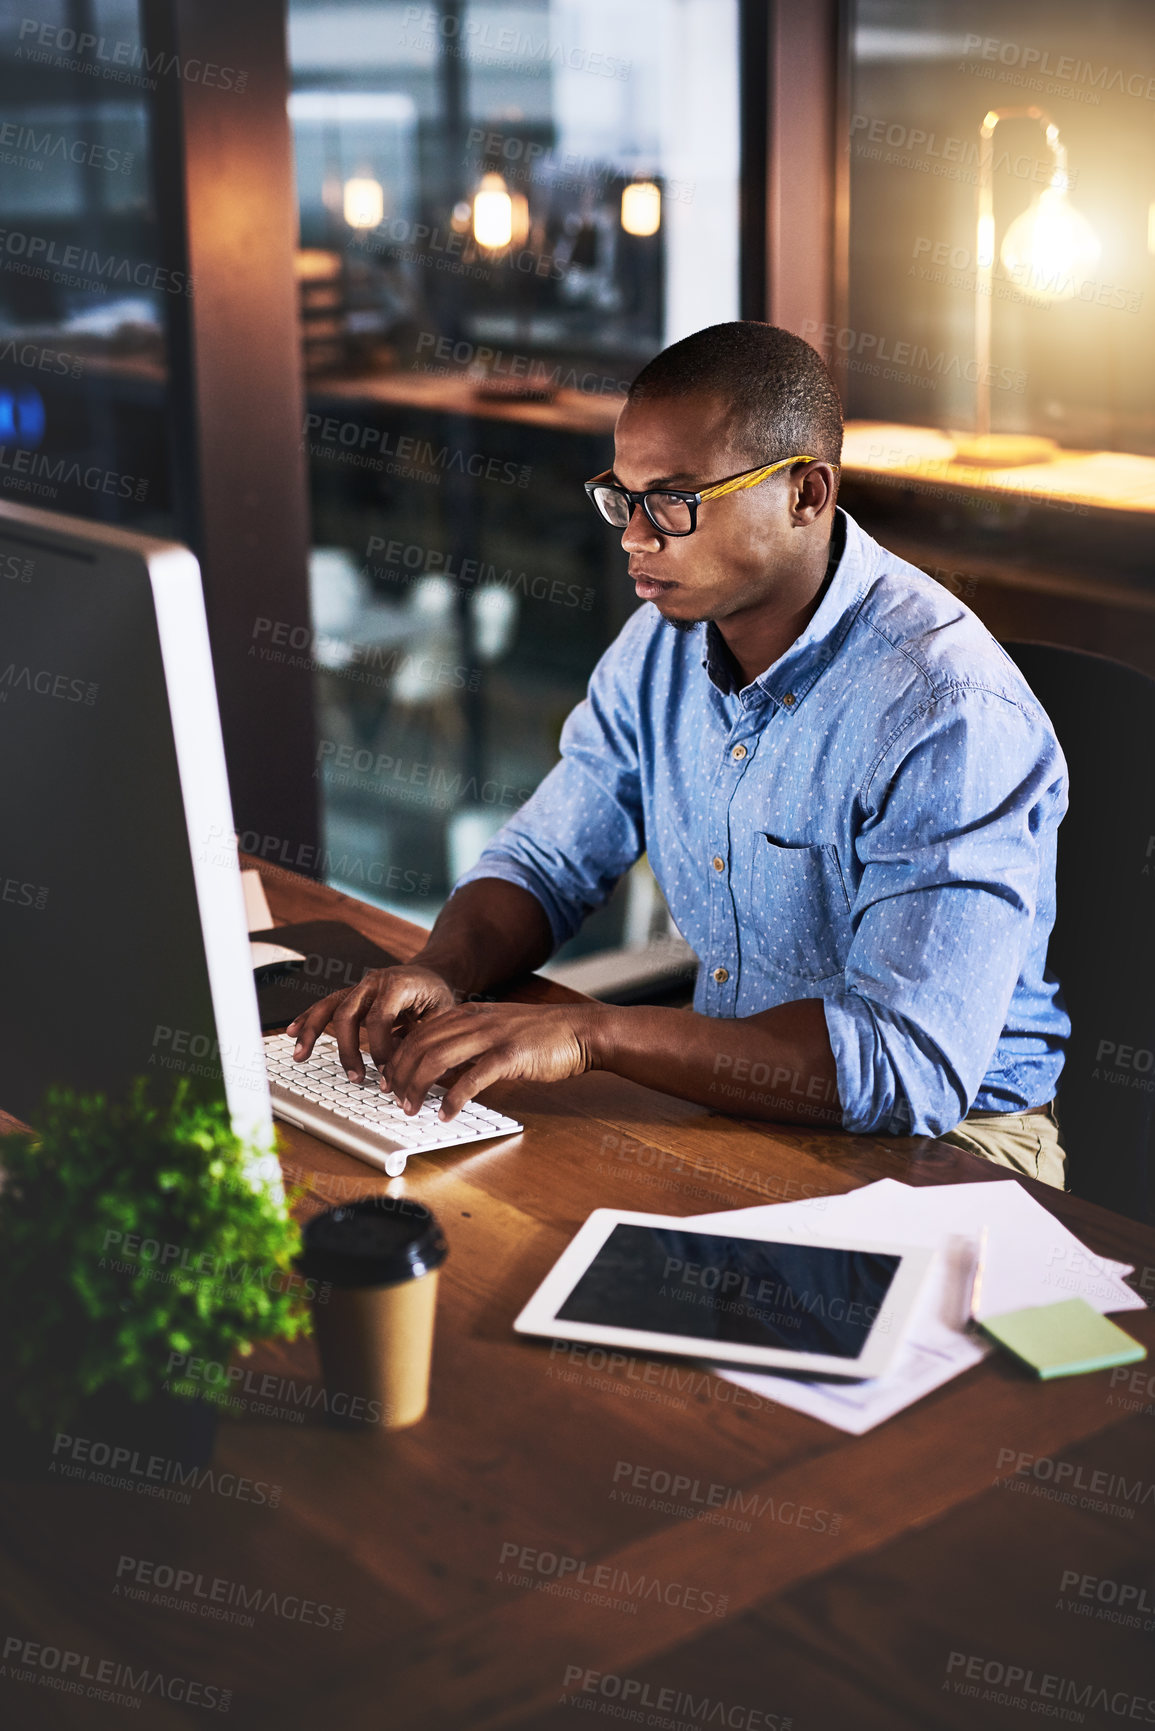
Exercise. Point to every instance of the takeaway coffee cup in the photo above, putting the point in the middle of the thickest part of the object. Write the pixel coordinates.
(378, 1260)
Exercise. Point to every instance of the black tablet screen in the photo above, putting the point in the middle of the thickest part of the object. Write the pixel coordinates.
(744, 1291)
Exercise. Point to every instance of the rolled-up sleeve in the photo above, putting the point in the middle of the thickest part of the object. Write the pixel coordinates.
(583, 828)
(956, 815)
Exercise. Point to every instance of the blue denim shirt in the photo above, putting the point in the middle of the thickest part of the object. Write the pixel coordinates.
(870, 822)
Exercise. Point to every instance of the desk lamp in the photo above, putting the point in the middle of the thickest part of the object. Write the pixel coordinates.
(1047, 251)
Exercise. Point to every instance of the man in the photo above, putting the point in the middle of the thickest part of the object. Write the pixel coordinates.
(847, 793)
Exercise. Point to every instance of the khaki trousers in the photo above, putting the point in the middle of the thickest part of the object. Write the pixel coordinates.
(1028, 1142)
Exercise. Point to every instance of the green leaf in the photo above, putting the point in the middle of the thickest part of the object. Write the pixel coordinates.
(131, 1230)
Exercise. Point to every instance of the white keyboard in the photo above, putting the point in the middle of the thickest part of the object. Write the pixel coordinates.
(359, 1117)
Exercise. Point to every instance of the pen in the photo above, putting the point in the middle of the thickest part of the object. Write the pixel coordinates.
(977, 1281)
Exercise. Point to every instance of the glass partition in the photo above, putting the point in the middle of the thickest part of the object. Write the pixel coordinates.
(505, 211)
(82, 292)
(998, 341)
(1010, 260)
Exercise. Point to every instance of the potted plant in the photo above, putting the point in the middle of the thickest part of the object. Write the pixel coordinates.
(134, 1235)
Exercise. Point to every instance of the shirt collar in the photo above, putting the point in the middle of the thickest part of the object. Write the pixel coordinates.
(787, 682)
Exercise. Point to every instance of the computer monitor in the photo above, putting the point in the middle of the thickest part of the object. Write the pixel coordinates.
(123, 941)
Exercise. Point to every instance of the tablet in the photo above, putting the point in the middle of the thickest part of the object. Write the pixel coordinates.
(821, 1306)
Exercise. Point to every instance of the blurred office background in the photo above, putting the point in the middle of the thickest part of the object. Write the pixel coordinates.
(505, 210)
(346, 293)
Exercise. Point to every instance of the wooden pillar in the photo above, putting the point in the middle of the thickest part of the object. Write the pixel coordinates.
(795, 113)
(226, 197)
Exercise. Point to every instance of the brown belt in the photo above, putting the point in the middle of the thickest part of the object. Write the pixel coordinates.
(1027, 1112)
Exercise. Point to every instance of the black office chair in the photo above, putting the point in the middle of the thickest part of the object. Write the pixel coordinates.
(1103, 946)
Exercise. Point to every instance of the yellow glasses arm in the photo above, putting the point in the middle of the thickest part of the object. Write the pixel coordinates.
(751, 478)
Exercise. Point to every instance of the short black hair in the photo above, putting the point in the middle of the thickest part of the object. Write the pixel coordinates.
(782, 397)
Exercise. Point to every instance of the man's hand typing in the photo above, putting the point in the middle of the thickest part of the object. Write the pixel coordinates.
(386, 1004)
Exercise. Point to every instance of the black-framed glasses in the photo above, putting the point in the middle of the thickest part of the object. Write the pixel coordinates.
(671, 511)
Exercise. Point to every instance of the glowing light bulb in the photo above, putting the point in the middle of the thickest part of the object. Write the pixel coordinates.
(1050, 249)
(364, 202)
(641, 208)
(492, 213)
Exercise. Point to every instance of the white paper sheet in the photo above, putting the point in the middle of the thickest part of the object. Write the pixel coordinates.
(264, 955)
(1031, 1259)
(256, 902)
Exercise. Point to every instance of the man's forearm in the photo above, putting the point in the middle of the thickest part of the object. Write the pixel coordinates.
(487, 933)
(777, 1065)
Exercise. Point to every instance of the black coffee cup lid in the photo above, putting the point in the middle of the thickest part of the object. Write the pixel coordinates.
(376, 1242)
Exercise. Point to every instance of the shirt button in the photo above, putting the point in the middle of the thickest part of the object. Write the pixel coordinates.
(738, 753)
(788, 700)
(719, 863)
(721, 975)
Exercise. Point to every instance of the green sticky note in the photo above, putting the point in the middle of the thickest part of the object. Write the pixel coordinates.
(1063, 1339)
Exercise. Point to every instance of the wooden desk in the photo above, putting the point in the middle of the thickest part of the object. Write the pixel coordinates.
(923, 457)
(842, 1574)
(450, 393)
(1057, 552)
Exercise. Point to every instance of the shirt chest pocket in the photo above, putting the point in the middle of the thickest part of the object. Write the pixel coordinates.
(800, 911)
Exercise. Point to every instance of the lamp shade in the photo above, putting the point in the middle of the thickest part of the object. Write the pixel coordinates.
(641, 208)
(492, 213)
(364, 202)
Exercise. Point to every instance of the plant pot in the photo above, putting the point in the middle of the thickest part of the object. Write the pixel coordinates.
(112, 1440)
